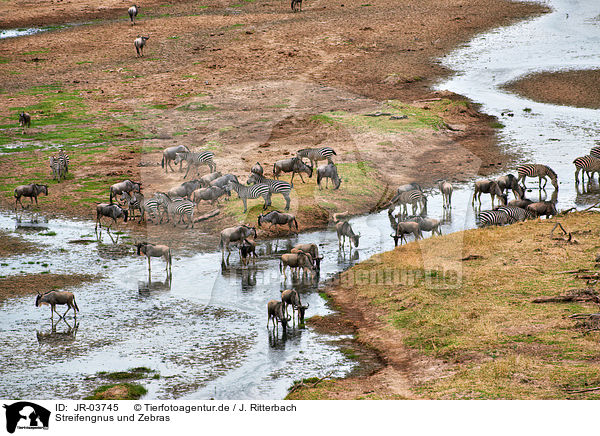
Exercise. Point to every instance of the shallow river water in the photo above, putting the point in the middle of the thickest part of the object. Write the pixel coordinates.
(205, 332)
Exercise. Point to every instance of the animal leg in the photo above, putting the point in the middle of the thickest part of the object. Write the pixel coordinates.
(68, 308)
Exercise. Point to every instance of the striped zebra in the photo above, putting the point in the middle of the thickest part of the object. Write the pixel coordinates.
(316, 154)
(196, 159)
(63, 158)
(595, 151)
(151, 206)
(493, 218)
(413, 197)
(539, 171)
(587, 165)
(133, 201)
(177, 207)
(254, 191)
(58, 170)
(515, 214)
(275, 186)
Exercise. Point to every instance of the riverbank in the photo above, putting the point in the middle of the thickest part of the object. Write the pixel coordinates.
(456, 316)
(579, 88)
(252, 82)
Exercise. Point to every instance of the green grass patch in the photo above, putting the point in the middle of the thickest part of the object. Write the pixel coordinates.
(195, 106)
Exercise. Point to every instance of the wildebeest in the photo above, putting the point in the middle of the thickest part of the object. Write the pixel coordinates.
(169, 155)
(151, 250)
(234, 234)
(296, 260)
(290, 297)
(487, 186)
(430, 225)
(185, 189)
(208, 178)
(24, 119)
(212, 194)
(540, 208)
(510, 182)
(344, 230)
(124, 186)
(139, 44)
(32, 191)
(223, 180)
(292, 165)
(328, 171)
(257, 169)
(311, 249)
(247, 250)
(54, 298)
(112, 211)
(297, 5)
(405, 228)
(446, 190)
(409, 187)
(133, 11)
(522, 203)
(275, 311)
(278, 218)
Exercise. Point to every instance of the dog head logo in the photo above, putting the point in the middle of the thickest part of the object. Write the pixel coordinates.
(26, 415)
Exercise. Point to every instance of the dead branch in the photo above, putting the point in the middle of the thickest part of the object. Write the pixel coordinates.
(208, 215)
(575, 271)
(472, 257)
(585, 316)
(591, 207)
(583, 390)
(309, 385)
(578, 295)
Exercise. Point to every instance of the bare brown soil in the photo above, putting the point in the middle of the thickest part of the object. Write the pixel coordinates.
(14, 286)
(579, 88)
(12, 245)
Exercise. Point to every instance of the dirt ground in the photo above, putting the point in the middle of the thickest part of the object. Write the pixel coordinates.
(580, 88)
(14, 286)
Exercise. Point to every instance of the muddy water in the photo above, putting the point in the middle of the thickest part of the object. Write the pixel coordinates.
(205, 332)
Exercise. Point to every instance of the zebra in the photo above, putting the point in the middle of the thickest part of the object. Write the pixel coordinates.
(539, 171)
(133, 202)
(316, 154)
(58, 170)
(414, 197)
(275, 186)
(493, 218)
(254, 191)
(515, 213)
(133, 11)
(587, 165)
(177, 206)
(595, 151)
(64, 160)
(139, 44)
(196, 159)
(296, 5)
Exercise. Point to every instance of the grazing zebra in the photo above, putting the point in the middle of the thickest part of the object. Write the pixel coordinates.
(254, 191)
(139, 44)
(316, 154)
(493, 218)
(587, 165)
(539, 171)
(415, 198)
(515, 213)
(177, 206)
(196, 159)
(133, 11)
(275, 186)
(446, 190)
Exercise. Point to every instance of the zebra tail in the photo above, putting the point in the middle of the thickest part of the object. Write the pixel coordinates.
(296, 222)
(75, 304)
(162, 162)
(280, 270)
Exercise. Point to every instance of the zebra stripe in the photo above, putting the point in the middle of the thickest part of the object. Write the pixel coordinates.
(414, 197)
(595, 151)
(63, 158)
(587, 165)
(196, 159)
(539, 171)
(151, 207)
(275, 187)
(254, 191)
(316, 154)
(58, 170)
(177, 206)
(493, 218)
(515, 213)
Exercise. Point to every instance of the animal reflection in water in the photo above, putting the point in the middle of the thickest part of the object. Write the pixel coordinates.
(54, 298)
(151, 250)
(54, 336)
(588, 193)
(31, 221)
(277, 341)
(246, 274)
(155, 285)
